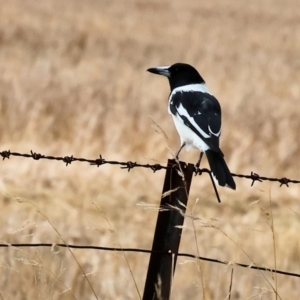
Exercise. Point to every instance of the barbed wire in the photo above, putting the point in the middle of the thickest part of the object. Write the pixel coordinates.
(138, 250)
(154, 167)
(129, 165)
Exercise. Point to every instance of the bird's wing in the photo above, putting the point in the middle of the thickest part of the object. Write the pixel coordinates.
(201, 112)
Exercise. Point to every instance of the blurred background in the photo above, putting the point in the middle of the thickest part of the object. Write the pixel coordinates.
(73, 81)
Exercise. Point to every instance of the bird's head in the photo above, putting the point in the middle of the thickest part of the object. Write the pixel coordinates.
(179, 74)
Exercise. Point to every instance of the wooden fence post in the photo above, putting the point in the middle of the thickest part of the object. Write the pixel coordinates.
(168, 232)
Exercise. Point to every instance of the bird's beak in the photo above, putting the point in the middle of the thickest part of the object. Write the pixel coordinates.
(161, 71)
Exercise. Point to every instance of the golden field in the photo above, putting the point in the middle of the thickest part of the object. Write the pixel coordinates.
(73, 81)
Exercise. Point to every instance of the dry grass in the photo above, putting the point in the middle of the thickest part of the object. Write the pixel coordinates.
(73, 81)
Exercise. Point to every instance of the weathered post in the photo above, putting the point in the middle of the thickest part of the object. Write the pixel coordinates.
(168, 232)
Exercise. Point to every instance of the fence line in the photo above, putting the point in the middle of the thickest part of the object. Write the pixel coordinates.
(139, 250)
(162, 261)
(130, 165)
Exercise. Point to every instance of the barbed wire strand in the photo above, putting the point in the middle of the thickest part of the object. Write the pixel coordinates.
(154, 167)
(6, 154)
(116, 249)
(129, 165)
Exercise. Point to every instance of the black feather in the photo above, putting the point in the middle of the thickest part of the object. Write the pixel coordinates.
(206, 112)
(219, 169)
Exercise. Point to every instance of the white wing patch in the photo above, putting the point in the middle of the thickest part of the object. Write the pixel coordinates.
(217, 134)
(183, 112)
(170, 103)
(198, 87)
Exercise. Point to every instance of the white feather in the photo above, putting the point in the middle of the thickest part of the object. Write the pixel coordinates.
(188, 136)
(197, 87)
(214, 133)
(183, 112)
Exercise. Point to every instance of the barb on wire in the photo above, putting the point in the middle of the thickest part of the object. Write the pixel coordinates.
(35, 245)
(255, 177)
(129, 165)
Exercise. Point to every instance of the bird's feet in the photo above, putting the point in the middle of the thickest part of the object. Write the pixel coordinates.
(197, 165)
(197, 169)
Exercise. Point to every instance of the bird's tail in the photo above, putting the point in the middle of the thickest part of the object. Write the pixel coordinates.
(219, 169)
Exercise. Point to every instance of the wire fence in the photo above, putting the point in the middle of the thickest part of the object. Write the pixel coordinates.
(129, 165)
(139, 250)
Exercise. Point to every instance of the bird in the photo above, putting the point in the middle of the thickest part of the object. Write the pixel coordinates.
(197, 117)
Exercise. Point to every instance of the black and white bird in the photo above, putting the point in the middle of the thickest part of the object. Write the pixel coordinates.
(197, 117)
